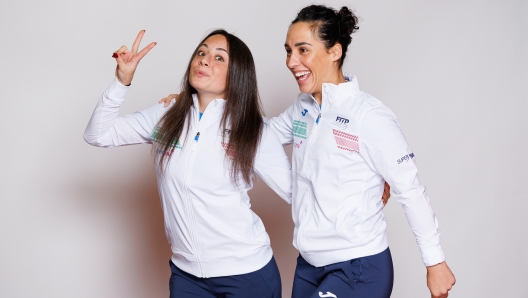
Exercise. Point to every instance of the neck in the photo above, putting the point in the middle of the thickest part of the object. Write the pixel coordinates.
(205, 98)
(336, 78)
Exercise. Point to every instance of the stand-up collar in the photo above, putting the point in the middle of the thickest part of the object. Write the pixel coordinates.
(337, 94)
(215, 103)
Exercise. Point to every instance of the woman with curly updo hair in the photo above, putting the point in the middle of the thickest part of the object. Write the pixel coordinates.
(347, 144)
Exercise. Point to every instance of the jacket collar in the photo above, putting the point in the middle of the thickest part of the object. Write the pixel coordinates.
(212, 113)
(217, 103)
(337, 95)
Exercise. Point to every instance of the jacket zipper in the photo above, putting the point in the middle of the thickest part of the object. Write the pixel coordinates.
(311, 140)
(312, 137)
(190, 213)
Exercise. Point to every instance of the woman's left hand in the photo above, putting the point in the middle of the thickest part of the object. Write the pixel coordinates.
(440, 280)
(167, 100)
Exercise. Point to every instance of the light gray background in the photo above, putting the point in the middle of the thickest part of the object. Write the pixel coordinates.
(79, 221)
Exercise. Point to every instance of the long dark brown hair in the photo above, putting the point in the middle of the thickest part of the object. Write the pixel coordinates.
(242, 112)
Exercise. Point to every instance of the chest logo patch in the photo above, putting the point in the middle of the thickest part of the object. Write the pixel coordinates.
(230, 152)
(341, 122)
(154, 137)
(346, 141)
(299, 129)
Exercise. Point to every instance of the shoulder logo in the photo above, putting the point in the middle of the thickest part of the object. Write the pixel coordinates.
(304, 112)
(328, 294)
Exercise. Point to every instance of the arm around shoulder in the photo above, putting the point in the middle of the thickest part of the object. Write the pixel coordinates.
(273, 166)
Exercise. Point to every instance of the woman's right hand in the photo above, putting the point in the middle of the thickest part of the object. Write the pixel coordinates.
(127, 61)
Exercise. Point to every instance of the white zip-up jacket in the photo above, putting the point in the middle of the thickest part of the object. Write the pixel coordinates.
(208, 220)
(343, 152)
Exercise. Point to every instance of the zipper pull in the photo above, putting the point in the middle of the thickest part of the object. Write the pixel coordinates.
(317, 120)
(197, 136)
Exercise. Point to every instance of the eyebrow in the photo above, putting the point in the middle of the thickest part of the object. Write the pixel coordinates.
(220, 49)
(299, 44)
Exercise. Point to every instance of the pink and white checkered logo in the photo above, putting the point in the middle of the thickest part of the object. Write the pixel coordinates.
(346, 141)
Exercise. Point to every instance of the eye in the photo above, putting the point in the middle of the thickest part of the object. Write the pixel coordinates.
(219, 58)
(288, 52)
(200, 53)
(303, 50)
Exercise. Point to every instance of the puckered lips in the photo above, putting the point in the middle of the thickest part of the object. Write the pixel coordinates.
(200, 73)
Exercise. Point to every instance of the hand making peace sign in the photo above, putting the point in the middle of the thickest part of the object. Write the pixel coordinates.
(127, 61)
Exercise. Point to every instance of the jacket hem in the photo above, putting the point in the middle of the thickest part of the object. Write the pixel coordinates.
(225, 267)
(324, 258)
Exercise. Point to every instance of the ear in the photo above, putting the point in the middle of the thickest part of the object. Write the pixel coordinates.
(336, 51)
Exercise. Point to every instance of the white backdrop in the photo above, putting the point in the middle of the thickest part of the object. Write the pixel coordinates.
(79, 221)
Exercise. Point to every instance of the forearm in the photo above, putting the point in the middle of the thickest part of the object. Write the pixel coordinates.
(100, 129)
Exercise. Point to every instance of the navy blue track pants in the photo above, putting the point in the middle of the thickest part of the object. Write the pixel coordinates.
(365, 277)
(263, 283)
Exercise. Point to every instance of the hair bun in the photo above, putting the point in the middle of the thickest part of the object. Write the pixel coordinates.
(330, 26)
(347, 21)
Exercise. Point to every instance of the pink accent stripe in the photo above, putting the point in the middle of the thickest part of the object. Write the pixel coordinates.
(346, 144)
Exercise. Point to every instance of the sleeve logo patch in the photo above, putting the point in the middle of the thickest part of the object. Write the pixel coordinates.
(405, 158)
(299, 129)
(346, 141)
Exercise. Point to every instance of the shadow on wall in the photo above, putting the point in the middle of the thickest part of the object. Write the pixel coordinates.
(125, 212)
(276, 215)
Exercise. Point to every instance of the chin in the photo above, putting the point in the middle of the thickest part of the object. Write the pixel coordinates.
(305, 89)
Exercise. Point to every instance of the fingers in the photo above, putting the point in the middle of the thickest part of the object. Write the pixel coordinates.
(135, 46)
(117, 54)
(386, 193)
(143, 52)
(122, 50)
(167, 100)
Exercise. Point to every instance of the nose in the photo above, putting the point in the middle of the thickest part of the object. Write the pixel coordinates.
(204, 61)
(292, 61)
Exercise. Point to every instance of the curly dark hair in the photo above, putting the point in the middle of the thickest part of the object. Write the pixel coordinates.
(330, 26)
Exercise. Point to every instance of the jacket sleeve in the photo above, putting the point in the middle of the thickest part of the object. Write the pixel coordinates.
(386, 150)
(273, 166)
(282, 126)
(107, 129)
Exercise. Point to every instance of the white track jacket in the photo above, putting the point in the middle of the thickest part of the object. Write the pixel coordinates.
(208, 220)
(342, 154)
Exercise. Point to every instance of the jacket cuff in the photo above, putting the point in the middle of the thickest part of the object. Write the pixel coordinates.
(433, 255)
(116, 91)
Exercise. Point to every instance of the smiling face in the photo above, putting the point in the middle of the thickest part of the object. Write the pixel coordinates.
(311, 63)
(208, 72)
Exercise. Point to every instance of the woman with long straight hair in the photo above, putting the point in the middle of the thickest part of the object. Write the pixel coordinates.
(207, 147)
(349, 145)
